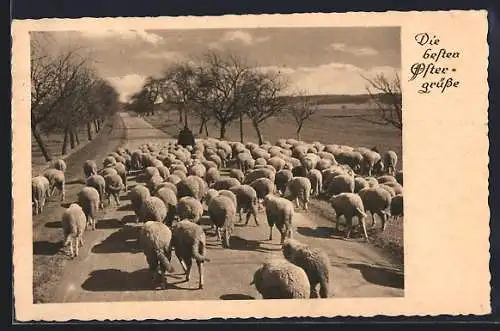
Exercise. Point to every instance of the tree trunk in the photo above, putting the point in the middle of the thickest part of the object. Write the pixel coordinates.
(77, 139)
(180, 115)
(298, 131)
(72, 139)
(202, 124)
(96, 124)
(259, 133)
(185, 117)
(222, 131)
(241, 127)
(41, 144)
(64, 149)
(206, 128)
(89, 131)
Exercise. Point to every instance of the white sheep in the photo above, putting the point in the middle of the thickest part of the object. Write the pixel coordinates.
(73, 226)
(189, 208)
(225, 183)
(155, 240)
(279, 212)
(57, 180)
(299, 189)
(349, 205)
(316, 179)
(390, 161)
(377, 201)
(114, 185)
(280, 279)
(108, 171)
(212, 175)
(89, 200)
(259, 173)
(189, 242)
(169, 198)
(153, 209)
(89, 168)
(246, 198)
(222, 212)
(138, 195)
(39, 190)
(238, 174)
(281, 180)
(59, 164)
(340, 184)
(263, 187)
(98, 182)
(122, 172)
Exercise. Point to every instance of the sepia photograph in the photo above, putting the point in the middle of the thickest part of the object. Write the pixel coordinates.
(190, 162)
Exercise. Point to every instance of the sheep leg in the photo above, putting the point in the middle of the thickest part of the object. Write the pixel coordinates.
(363, 223)
(271, 232)
(297, 202)
(184, 269)
(306, 208)
(383, 216)
(189, 264)
(201, 273)
(71, 247)
(77, 246)
(63, 192)
(80, 240)
(217, 230)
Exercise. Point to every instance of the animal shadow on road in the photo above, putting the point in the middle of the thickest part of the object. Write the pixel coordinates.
(380, 275)
(121, 241)
(117, 280)
(236, 296)
(242, 244)
(109, 223)
(53, 224)
(319, 232)
(46, 247)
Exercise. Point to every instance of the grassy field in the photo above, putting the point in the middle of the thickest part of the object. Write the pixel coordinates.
(337, 123)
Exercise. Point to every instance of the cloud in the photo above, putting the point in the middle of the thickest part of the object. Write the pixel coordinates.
(239, 36)
(280, 69)
(163, 55)
(124, 34)
(127, 85)
(359, 51)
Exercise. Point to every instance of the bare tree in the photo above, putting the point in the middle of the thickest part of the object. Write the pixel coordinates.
(385, 94)
(302, 109)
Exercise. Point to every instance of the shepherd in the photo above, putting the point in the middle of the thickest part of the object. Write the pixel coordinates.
(186, 137)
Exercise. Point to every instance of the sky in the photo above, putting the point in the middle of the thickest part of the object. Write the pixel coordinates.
(317, 60)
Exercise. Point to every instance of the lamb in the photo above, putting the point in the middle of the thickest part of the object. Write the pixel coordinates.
(122, 172)
(340, 184)
(279, 212)
(225, 183)
(377, 201)
(155, 240)
(114, 185)
(390, 161)
(73, 226)
(349, 205)
(222, 212)
(59, 164)
(57, 180)
(153, 209)
(89, 168)
(138, 195)
(39, 190)
(246, 198)
(315, 263)
(169, 198)
(189, 208)
(281, 180)
(280, 279)
(98, 182)
(89, 200)
(299, 189)
(189, 242)
(397, 206)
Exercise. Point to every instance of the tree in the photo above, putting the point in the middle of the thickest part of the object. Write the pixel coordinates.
(385, 95)
(301, 110)
(264, 98)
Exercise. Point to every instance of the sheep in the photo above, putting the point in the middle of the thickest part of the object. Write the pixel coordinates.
(89, 200)
(98, 182)
(168, 185)
(59, 164)
(197, 170)
(340, 184)
(280, 279)
(150, 172)
(386, 179)
(73, 226)
(386, 187)
(315, 263)
(114, 185)
(397, 206)
(57, 180)
(263, 187)
(279, 212)
(138, 195)
(399, 176)
(179, 173)
(189, 242)
(174, 179)
(153, 209)
(136, 160)
(108, 171)
(277, 163)
(349, 205)
(153, 183)
(189, 208)
(212, 175)
(246, 198)
(372, 181)
(390, 161)
(163, 172)
(222, 212)
(211, 193)
(89, 168)
(188, 187)
(316, 179)
(398, 189)
(39, 190)
(225, 183)
(245, 162)
(259, 173)
(281, 180)
(370, 158)
(238, 174)
(299, 189)
(122, 172)
(377, 201)
(202, 186)
(108, 161)
(169, 198)
(155, 241)
(360, 183)
(230, 195)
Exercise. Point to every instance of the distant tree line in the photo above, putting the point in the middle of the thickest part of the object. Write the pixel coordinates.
(66, 94)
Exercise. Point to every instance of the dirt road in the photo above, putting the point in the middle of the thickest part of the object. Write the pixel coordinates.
(112, 268)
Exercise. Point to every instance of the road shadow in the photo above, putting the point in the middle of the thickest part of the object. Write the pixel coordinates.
(236, 296)
(53, 224)
(110, 223)
(47, 247)
(117, 280)
(127, 207)
(319, 232)
(379, 275)
(242, 244)
(129, 219)
(76, 181)
(124, 240)
(66, 204)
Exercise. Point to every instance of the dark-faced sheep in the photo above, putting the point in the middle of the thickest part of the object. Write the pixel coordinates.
(73, 226)
(315, 263)
(189, 242)
(280, 279)
(349, 205)
(155, 240)
(279, 212)
(89, 168)
(89, 200)
(222, 212)
(281, 180)
(397, 206)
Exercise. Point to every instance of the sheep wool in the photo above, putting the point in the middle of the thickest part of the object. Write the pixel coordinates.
(57, 181)
(315, 263)
(89, 168)
(114, 185)
(349, 205)
(89, 200)
(98, 182)
(39, 190)
(225, 183)
(299, 189)
(73, 226)
(279, 212)
(169, 198)
(222, 212)
(153, 209)
(246, 199)
(59, 164)
(377, 201)
(316, 179)
(189, 208)
(138, 195)
(189, 242)
(155, 240)
(281, 180)
(280, 279)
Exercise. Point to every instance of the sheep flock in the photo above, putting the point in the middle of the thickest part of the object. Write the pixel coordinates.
(177, 185)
